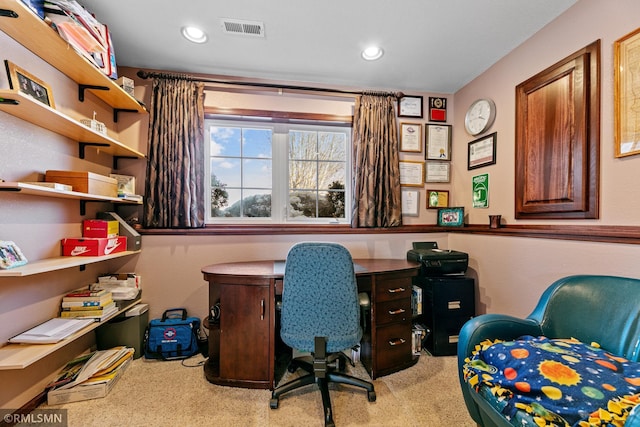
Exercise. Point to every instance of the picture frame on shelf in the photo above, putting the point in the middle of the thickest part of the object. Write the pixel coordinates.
(437, 199)
(482, 152)
(411, 173)
(438, 142)
(627, 126)
(451, 217)
(411, 137)
(28, 84)
(10, 255)
(410, 202)
(410, 106)
(438, 171)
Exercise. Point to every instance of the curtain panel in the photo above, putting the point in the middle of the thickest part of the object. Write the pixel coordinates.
(376, 167)
(174, 194)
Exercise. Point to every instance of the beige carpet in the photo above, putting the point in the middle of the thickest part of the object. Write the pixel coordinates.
(158, 393)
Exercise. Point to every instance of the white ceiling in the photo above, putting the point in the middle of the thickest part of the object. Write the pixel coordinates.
(430, 45)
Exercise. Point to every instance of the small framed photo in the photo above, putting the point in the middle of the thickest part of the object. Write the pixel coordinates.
(437, 199)
(482, 152)
(438, 171)
(451, 217)
(10, 255)
(438, 142)
(411, 174)
(410, 106)
(28, 84)
(410, 202)
(411, 137)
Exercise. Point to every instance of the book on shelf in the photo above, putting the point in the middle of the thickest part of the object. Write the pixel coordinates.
(86, 311)
(51, 331)
(86, 292)
(84, 305)
(96, 315)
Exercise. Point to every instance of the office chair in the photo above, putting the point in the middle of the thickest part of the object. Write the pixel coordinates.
(320, 314)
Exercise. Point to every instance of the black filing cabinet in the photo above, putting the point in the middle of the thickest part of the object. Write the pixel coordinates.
(447, 302)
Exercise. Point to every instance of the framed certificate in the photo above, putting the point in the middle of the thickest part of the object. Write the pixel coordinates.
(411, 137)
(482, 152)
(411, 174)
(410, 202)
(438, 142)
(437, 199)
(410, 106)
(627, 120)
(438, 171)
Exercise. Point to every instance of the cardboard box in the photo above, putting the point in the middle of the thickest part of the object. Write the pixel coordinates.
(100, 228)
(85, 182)
(86, 392)
(134, 240)
(93, 246)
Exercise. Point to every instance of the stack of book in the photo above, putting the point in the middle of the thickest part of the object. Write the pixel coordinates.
(85, 303)
(89, 376)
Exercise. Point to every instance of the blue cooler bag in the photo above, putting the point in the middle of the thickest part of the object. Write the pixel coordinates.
(175, 336)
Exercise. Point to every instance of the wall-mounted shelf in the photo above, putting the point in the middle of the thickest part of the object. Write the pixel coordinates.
(20, 356)
(24, 26)
(37, 113)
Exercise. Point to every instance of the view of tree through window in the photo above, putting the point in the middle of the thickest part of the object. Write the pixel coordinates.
(255, 169)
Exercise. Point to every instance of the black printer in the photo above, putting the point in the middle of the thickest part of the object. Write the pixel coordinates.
(438, 262)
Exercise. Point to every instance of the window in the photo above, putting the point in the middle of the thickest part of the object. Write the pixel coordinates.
(277, 172)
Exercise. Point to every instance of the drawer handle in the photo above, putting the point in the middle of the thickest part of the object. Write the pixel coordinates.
(396, 290)
(398, 311)
(397, 341)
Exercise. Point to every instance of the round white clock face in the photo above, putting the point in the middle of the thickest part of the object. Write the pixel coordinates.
(480, 116)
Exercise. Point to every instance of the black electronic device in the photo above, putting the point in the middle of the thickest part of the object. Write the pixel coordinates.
(438, 262)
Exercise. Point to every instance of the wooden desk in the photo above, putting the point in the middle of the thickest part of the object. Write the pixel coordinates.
(242, 343)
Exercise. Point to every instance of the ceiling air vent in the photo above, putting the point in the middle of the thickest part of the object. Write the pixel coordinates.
(242, 27)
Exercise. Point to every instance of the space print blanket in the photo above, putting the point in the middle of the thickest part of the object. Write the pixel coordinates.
(554, 382)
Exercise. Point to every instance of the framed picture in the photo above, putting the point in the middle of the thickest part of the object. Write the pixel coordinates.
(10, 255)
(438, 142)
(625, 74)
(411, 173)
(410, 106)
(438, 171)
(451, 217)
(482, 152)
(437, 109)
(437, 199)
(411, 137)
(410, 202)
(28, 84)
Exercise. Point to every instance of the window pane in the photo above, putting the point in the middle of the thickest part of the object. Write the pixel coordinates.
(331, 204)
(226, 171)
(256, 173)
(303, 145)
(302, 204)
(331, 173)
(257, 143)
(332, 146)
(224, 141)
(256, 203)
(222, 199)
(303, 174)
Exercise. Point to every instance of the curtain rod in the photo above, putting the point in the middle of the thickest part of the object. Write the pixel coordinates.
(147, 75)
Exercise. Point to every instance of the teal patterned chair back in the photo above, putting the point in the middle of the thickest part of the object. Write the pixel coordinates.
(320, 297)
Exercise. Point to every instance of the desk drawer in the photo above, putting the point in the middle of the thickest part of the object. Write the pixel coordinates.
(393, 311)
(393, 347)
(393, 288)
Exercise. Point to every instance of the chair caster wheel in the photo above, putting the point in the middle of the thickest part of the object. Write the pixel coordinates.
(273, 403)
(371, 396)
(342, 365)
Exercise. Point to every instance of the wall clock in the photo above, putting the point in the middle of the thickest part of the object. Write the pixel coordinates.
(480, 116)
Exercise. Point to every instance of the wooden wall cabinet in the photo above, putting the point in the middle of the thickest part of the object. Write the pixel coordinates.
(558, 139)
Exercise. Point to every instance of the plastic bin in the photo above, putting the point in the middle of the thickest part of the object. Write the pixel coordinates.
(127, 329)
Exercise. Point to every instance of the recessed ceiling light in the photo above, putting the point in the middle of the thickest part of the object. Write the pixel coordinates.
(372, 53)
(194, 34)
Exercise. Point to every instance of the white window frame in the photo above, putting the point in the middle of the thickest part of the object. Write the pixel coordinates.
(280, 170)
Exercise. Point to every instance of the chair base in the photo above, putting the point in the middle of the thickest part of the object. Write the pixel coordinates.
(321, 372)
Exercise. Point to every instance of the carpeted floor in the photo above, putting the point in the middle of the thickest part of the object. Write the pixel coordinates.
(158, 393)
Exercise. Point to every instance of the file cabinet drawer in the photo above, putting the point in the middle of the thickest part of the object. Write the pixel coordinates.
(393, 288)
(393, 347)
(393, 311)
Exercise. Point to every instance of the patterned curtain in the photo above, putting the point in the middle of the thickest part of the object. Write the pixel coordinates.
(174, 195)
(376, 173)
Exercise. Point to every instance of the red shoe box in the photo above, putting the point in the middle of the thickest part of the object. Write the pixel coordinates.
(100, 228)
(93, 246)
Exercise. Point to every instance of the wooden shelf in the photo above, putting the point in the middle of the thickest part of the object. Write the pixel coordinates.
(34, 34)
(19, 356)
(42, 115)
(59, 263)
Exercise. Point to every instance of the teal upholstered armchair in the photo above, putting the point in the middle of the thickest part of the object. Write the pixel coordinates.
(320, 314)
(588, 308)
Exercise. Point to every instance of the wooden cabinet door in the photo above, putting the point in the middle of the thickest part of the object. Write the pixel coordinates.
(245, 346)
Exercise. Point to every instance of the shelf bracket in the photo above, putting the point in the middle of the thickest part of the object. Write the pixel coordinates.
(116, 111)
(6, 13)
(116, 158)
(82, 145)
(82, 88)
